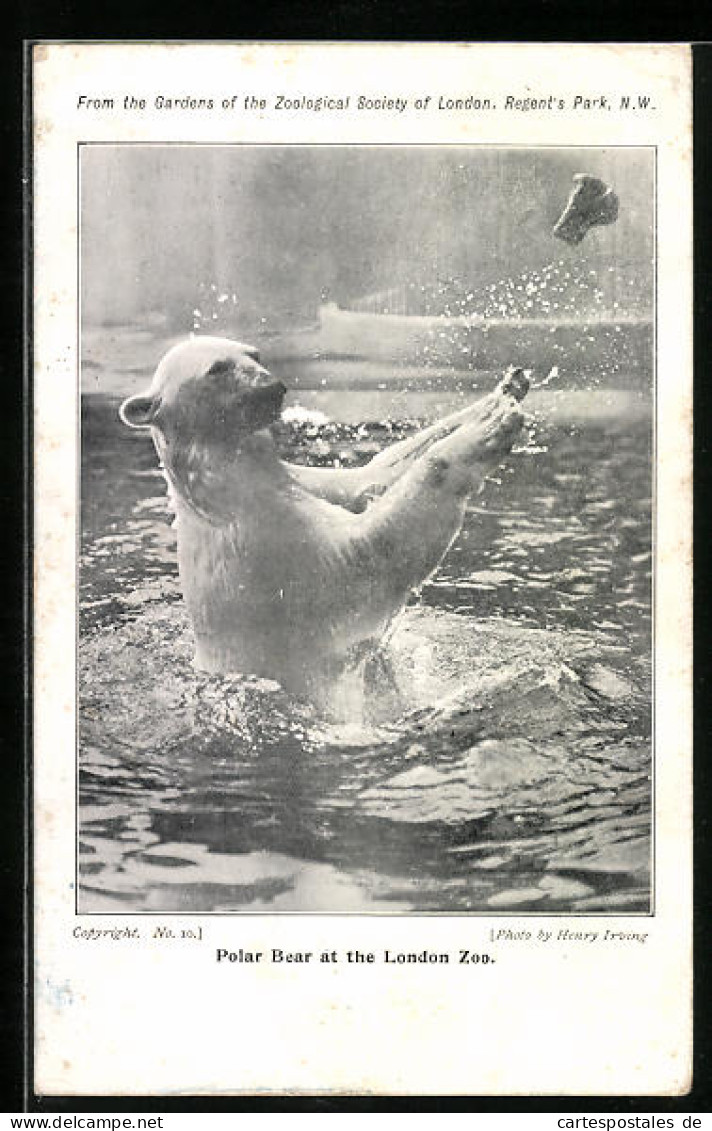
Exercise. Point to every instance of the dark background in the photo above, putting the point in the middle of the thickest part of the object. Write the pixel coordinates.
(284, 227)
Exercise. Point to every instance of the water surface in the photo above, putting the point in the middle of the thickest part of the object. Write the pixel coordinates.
(519, 778)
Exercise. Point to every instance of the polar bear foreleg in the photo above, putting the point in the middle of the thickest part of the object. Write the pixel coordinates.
(355, 488)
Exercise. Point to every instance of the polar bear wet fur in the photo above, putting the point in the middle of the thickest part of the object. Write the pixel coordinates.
(290, 572)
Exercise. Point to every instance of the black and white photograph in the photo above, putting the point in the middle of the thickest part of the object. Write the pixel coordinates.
(362, 565)
(366, 500)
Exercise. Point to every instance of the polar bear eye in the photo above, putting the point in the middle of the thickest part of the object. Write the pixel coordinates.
(224, 368)
(249, 375)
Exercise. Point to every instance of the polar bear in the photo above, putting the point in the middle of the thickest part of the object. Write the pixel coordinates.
(292, 572)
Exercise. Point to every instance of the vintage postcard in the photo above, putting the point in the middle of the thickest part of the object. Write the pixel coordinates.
(362, 431)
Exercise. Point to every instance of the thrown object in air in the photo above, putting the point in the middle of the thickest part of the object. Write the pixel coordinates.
(591, 203)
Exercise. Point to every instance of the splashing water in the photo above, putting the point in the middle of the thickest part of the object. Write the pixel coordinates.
(518, 776)
(566, 311)
(563, 289)
(216, 310)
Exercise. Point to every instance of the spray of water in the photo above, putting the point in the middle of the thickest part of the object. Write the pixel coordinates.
(215, 310)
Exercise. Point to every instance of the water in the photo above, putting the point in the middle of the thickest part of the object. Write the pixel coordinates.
(562, 288)
(519, 778)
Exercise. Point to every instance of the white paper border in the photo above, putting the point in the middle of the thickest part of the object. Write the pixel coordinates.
(125, 1019)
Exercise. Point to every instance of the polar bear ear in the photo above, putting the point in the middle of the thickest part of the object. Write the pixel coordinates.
(140, 411)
